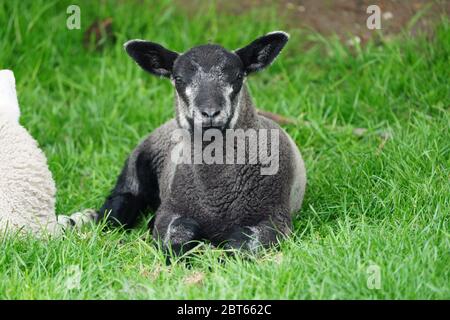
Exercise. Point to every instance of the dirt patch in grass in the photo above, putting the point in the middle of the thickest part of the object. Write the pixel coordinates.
(346, 18)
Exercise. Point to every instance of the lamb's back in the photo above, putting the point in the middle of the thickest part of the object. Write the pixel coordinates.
(27, 189)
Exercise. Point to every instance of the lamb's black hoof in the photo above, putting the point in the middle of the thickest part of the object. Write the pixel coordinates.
(238, 239)
(182, 236)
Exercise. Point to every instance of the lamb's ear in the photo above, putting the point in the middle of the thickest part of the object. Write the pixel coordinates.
(151, 57)
(261, 52)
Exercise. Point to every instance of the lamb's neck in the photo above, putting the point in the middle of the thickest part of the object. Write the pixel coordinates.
(213, 174)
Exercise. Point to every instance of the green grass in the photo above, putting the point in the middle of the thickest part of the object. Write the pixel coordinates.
(367, 203)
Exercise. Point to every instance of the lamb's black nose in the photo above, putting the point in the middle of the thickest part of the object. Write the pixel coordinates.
(210, 113)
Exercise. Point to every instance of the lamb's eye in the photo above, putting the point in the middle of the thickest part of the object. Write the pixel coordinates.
(239, 76)
(178, 80)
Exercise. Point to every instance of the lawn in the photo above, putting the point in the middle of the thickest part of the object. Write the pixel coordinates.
(373, 128)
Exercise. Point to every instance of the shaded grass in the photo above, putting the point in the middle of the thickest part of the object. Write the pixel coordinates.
(368, 202)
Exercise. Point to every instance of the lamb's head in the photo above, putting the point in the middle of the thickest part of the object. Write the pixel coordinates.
(208, 79)
(9, 107)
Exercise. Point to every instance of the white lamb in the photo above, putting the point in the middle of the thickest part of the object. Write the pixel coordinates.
(27, 189)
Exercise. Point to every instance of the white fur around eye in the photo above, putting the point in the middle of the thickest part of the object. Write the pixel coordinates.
(228, 90)
(189, 93)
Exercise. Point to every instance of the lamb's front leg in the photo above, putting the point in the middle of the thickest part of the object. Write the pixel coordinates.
(262, 235)
(136, 189)
(178, 234)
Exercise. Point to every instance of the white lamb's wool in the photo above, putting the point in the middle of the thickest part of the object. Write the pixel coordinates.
(27, 188)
